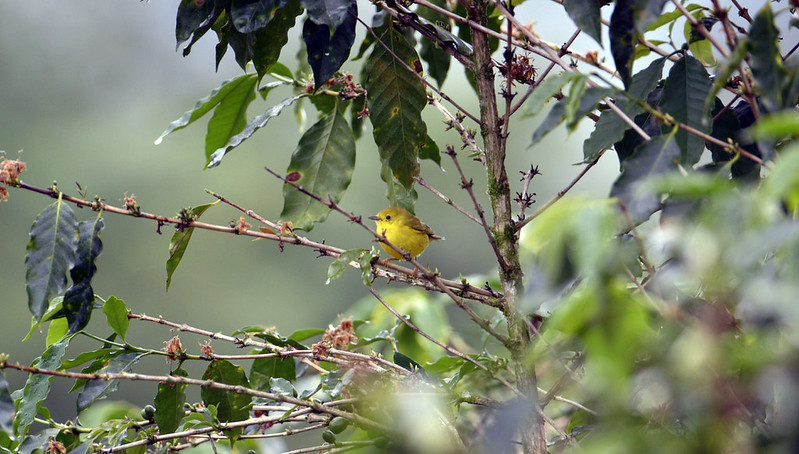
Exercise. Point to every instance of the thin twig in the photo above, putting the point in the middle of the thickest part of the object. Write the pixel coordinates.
(446, 199)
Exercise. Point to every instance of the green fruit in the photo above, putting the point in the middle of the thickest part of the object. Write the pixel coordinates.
(148, 412)
(338, 424)
(329, 436)
(381, 443)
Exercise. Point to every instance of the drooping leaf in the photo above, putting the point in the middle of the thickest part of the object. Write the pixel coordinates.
(241, 43)
(180, 241)
(191, 14)
(169, 403)
(230, 116)
(205, 105)
(647, 122)
(270, 39)
(430, 151)
(622, 38)
(684, 93)
(100, 389)
(329, 12)
(116, 314)
(50, 254)
(337, 267)
(396, 193)
(264, 369)
(396, 99)
(586, 14)
(230, 406)
(610, 127)
(257, 123)
(766, 62)
(251, 15)
(324, 160)
(437, 60)
(546, 90)
(587, 102)
(326, 51)
(655, 157)
(79, 298)
(37, 387)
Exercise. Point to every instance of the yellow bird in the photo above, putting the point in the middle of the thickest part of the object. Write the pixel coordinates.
(404, 230)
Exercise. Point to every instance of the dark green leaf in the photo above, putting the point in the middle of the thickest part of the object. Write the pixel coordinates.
(169, 404)
(684, 93)
(180, 241)
(587, 102)
(430, 151)
(586, 14)
(437, 60)
(324, 160)
(396, 99)
(622, 38)
(37, 387)
(242, 45)
(79, 298)
(230, 406)
(726, 68)
(89, 356)
(100, 389)
(408, 363)
(647, 12)
(332, 13)
(203, 106)
(768, 69)
(7, 409)
(302, 334)
(264, 369)
(257, 123)
(725, 127)
(337, 267)
(270, 39)
(191, 14)
(50, 254)
(282, 386)
(658, 156)
(116, 314)
(326, 51)
(610, 127)
(645, 121)
(230, 116)
(251, 15)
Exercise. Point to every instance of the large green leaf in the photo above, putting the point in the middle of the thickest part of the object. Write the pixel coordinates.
(230, 406)
(396, 99)
(205, 105)
(251, 15)
(328, 51)
(328, 12)
(169, 403)
(257, 123)
(180, 241)
(576, 107)
(270, 39)
(264, 369)
(586, 14)
(79, 299)
(37, 387)
(100, 389)
(50, 254)
(437, 60)
(655, 157)
(610, 127)
(622, 38)
(191, 14)
(766, 62)
(684, 93)
(230, 116)
(323, 162)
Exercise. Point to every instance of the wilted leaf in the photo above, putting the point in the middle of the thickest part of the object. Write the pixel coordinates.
(328, 51)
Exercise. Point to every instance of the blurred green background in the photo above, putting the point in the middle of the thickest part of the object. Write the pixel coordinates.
(86, 88)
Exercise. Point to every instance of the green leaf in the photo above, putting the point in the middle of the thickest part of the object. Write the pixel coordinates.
(53, 312)
(269, 40)
(329, 12)
(726, 68)
(324, 160)
(257, 123)
(100, 389)
(576, 92)
(230, 115)
(396, 193)
(658, 156)
(169, 403)
(264, 369)
(50, 254)
(622, 38)
(328, 51)
(230, 406)
(586, 14)
(396, 99)
(700, 47)
(779, 125)
(37, 387)
(282, 386)
(586, 103)
(337, 267)
(365, 263)
(89, 356)
(770, 74)
(6, 407)
(56, 331)
(302, 334)
(79, 299)
(437, 60)
(251, 15)
(551, 86)
(409, 364)
(610, 127)
(191, 14)
(684, 94)
(205, 105)
(116, 314)
(430, 151)
(180, 241)
(647, 12)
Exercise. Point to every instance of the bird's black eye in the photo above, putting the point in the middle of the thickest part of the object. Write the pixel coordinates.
(388, 218)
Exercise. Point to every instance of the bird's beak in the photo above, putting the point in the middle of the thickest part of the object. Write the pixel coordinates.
(375, 218)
